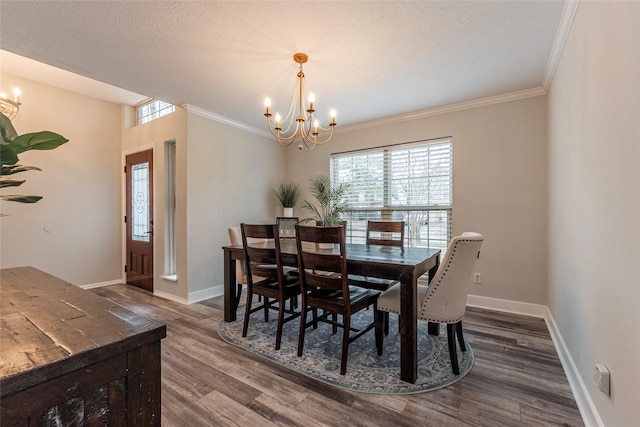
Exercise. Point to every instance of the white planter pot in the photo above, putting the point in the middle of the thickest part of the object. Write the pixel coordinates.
(288, 212)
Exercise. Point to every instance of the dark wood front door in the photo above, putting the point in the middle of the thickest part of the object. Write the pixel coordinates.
(139, 219)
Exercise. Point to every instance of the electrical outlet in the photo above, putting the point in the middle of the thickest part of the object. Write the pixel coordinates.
(602, 378)
(477, 278)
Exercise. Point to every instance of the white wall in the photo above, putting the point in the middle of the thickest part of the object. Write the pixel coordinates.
(80, 182)
(224, 176)
(594, 198)
(231, 176)
(172, 127)
(499, 185)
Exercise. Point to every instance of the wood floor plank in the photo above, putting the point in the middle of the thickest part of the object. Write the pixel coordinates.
(281, 413)
(533, 416)
(517, 378)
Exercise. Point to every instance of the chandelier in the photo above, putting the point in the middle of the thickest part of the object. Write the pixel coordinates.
(307, 132)
(9, 107)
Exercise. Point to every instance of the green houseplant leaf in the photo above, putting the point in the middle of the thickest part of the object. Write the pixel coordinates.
(7, 131)
(11, 169)
(8, 156)
(44, 140)
(9, 182)
(21, 199)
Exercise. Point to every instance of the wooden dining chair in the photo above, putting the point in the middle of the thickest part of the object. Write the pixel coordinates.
(386, 233)
(266, 276)
(444, 300)
(323, 279)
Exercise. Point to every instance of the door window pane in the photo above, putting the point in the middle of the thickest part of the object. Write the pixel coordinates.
(140, 221)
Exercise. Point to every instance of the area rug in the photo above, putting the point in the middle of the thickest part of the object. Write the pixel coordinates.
(366, 371)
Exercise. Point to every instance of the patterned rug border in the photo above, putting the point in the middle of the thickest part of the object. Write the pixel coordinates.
(366, 371)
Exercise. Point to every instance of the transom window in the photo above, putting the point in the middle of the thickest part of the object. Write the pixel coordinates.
(153, 109)
(409, 182)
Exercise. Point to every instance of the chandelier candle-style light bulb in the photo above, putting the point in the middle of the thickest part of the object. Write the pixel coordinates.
(301, 131)
(311, 99)
(267, 103)
(9, 107)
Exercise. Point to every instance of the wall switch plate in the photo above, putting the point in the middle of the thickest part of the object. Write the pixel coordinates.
(477, 278)
(602, 378)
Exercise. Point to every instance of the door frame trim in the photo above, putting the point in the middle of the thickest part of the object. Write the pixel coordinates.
(123, 207)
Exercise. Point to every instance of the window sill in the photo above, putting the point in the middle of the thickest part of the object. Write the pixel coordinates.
(170, 277)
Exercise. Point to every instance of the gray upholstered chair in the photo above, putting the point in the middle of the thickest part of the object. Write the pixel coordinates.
(445, 299)
(235, 237)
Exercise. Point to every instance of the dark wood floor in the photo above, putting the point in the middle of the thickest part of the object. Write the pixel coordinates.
(517, 379)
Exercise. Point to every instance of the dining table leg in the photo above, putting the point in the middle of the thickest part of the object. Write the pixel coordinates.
(432, 327)
(231, 297)
(409, 324)
(408, 329)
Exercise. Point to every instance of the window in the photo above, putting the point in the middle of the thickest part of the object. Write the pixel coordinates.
(407, 182)
(152, 110)
(170, 208)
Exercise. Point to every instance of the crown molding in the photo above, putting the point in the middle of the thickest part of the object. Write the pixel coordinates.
(461, 106)
(568, 13)
(225, 120)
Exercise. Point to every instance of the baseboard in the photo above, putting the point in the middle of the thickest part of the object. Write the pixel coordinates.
(586, 406)
(204, 294)
(170, 297)
(587, 409)
(515, 307)
(101, 284)
(193, 297)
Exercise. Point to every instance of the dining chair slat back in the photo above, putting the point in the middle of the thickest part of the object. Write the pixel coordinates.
(389, 233)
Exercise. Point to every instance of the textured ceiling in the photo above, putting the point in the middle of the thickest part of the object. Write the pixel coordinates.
(368, 60)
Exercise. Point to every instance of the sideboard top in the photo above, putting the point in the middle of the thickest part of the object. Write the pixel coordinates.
(45, 320)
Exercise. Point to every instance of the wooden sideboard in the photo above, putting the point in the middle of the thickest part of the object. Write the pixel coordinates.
(71, 357)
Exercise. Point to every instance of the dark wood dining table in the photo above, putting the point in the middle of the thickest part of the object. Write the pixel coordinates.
(404, 264)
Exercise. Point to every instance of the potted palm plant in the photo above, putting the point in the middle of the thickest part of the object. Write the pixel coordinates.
(12, 144)
(288, 194)
(330, 205)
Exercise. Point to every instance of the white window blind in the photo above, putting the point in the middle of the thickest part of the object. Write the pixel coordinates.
(408, 182)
